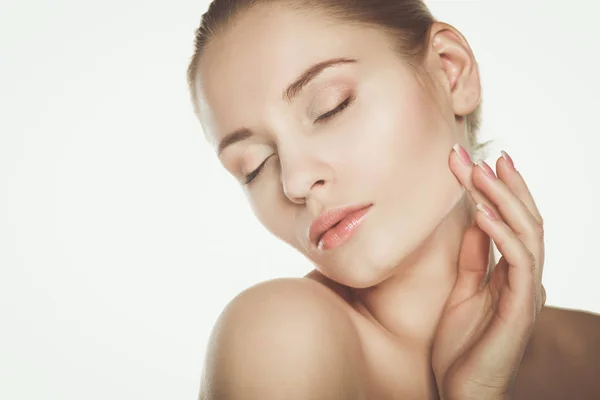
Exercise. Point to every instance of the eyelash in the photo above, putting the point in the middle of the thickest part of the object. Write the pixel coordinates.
(336, 110)
(252, 175)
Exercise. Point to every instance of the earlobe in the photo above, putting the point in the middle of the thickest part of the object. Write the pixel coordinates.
(459, 68)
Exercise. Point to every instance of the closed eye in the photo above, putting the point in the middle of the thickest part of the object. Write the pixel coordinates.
(336, 110)
(252, 175)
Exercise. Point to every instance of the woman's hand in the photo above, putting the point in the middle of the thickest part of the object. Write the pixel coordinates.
(485, 326)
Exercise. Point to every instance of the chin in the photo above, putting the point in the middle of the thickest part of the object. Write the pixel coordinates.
(391, 246)
(367, 261)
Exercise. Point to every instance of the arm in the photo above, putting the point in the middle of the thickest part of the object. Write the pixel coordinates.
(283, 339)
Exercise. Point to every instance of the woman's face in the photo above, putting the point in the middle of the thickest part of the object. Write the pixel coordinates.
(387, 147)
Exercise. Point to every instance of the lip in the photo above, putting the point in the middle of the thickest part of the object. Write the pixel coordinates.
(329, 219)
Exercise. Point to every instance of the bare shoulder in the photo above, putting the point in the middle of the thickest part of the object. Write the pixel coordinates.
(563, 357)
(575, 334)
(285, 338)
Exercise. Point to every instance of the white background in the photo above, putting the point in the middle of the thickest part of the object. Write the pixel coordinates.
(122, 238)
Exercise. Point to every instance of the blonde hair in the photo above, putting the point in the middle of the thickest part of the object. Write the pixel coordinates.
(407, 22)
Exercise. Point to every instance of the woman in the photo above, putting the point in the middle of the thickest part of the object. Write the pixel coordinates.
(352, 126)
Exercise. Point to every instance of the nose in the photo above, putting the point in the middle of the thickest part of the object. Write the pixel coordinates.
(303, 173)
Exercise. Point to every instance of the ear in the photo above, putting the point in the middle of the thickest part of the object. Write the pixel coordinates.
(452, 60)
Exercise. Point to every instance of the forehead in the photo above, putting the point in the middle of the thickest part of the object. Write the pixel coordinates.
(246, 67)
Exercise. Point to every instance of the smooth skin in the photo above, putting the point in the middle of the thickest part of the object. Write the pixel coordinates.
(478, 349)
(373, 321)
(480, 342)
(483, 332)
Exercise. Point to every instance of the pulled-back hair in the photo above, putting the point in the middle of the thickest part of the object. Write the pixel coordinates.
(407, 22)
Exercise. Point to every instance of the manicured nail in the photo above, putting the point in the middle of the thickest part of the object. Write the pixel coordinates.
(508, 159)
(486, 168)
(487, 211)
(462, 154)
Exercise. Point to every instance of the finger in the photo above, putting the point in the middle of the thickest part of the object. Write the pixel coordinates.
(514, 180)
(473, 262)
(510, 207)
(519, 300)
(462, 166)
(514, 212)
(543, 302)
(486, 188)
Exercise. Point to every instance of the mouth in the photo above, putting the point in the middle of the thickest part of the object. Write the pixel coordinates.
(333, 228)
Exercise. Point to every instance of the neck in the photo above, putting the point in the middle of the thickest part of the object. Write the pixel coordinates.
(409, 303)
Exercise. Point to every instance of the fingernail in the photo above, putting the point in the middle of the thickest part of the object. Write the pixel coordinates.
(486, 168)
(462, 154)
(508, 159)
(487, 211)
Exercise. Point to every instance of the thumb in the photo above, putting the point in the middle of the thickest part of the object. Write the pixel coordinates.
(473, 263)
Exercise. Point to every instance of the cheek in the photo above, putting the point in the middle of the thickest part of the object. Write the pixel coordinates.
(397, 140)
(404, 160)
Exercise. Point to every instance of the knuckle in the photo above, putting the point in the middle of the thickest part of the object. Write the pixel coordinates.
(530, 259)
(538, 230)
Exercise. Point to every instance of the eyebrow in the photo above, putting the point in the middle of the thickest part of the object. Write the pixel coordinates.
(288, 96)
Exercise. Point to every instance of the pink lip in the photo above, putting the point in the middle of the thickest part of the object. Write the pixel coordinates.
(325, 234)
